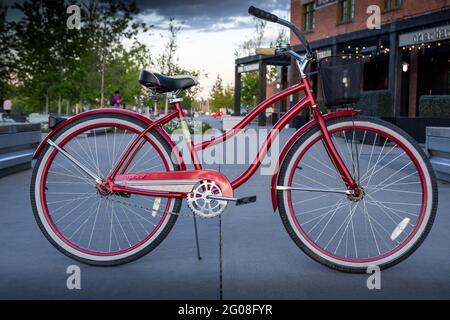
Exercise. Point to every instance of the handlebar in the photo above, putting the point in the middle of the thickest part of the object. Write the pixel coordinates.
(266, 51)
(302, 61)
(261, 14)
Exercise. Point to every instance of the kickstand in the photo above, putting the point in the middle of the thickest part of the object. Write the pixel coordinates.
(196, 239)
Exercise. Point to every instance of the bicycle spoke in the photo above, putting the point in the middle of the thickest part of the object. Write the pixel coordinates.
(95, 222)
(311, 199)
(390, 184)
(356, 227)
(349, 217)
(73, 209)
(89, 217)
(373, 173)
(333, 210)
(371, 227)
(375, 165)
(96, 154)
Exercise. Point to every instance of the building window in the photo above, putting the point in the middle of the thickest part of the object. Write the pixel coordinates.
(309, 19)
(346, 10)
(376, 75)
(391, 4)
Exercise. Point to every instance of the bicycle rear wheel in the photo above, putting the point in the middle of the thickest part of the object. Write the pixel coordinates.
(94, 227)
(382, 226)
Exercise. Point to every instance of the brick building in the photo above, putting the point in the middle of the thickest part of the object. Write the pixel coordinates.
(409, 56)
(406, 58)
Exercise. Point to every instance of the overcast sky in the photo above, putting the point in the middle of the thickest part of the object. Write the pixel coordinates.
(211, 31)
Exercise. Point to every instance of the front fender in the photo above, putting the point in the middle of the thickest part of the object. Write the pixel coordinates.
(110, 111)
(288, 145)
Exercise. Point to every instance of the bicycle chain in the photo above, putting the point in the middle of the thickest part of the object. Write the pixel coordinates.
(152, 211)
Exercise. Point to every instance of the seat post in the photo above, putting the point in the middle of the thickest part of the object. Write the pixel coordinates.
(176, 101)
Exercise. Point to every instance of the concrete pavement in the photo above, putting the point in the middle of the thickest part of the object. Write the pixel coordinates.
(259, 259)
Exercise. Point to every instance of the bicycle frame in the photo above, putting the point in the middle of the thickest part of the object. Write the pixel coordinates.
(307, 101)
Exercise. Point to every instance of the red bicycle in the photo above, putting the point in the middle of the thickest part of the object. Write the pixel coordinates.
(352, 191)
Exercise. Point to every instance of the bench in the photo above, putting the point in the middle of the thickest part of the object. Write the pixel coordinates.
(17, 144)
(438, 147)
(228, 122)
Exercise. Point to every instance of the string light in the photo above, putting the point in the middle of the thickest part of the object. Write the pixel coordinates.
(381, 49)
(422, 46)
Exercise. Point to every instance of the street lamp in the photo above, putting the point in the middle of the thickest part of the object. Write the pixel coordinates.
(405, 66)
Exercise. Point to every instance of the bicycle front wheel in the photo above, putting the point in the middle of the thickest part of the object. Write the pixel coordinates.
(381, 226)
(94, 227)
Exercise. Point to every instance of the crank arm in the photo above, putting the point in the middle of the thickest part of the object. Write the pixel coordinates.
(75, 161)
(286, 188)
(212, 197)
(239, 201)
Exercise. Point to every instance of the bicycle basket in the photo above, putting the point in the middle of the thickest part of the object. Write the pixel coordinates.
(341, 79)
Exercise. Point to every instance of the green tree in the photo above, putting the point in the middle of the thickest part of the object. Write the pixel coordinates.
(168, 64)
(250, 80)
(7, 45)
(249, 88)
(109, 23)
(45, 50)
(54, 63)
(221, 97)
(247, 48)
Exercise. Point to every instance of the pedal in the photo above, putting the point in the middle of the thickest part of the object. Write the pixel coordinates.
(245, 200)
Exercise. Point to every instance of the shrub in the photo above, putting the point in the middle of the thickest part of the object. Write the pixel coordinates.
(375, 103)
(199, 126)
(434, 106)
(45, 128)
(322, 107)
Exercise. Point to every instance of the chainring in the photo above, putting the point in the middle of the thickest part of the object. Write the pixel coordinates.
(199, 203)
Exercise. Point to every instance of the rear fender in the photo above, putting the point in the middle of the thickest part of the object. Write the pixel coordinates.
(287, 147)
(107, 111)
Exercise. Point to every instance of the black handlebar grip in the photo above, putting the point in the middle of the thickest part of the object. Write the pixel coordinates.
(262, 14)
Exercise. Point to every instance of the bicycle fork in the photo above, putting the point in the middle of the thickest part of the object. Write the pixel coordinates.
(336, 159)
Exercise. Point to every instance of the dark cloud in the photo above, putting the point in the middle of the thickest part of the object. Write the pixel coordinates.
(200, 14)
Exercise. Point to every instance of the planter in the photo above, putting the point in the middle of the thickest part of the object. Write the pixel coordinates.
(416, 127)
(17, 144)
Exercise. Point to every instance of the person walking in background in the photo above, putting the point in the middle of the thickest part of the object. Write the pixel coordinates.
(7, 106)
(114, 101)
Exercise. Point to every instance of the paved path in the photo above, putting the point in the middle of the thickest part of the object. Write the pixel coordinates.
(259, 259)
